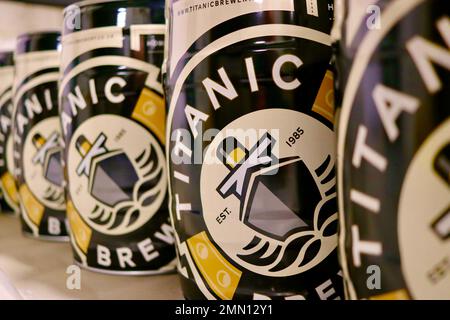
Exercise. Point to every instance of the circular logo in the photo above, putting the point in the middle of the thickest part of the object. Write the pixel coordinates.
(255, 219)
(116, 184)
(42, 163)
(6, 152)
(7, 184)
(424, 213)
(393, 151)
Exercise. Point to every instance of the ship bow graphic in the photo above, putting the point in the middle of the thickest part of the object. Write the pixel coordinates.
(279, 199)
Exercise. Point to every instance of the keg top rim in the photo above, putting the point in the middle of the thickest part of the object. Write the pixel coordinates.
(39, 33)
(85, 3)
(37, 41)
(6, 59)
(6, 53)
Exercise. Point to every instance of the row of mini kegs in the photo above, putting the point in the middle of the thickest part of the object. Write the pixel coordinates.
(204, 136)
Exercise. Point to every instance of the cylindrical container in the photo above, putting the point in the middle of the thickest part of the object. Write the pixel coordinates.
(251, 149)
(113, 117)
(37, 135)
(393, 148)
(10, 198)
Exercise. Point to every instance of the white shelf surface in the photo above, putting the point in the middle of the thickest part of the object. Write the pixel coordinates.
(37, 269)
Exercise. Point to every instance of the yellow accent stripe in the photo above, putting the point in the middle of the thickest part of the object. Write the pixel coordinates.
(86, 146)
(81, 231)
(41, 141)
(235, 157)
(221, 276)
(324, 104)
(393, 295)
(33, 208)
(9, 184)
(150, 110)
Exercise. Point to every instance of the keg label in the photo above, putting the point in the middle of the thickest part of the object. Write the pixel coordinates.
(243, 149)
(78, 43)
(238, 188)
(7, 181)
(113, 117)
(114, 174)
(397, 131)
(434, 227)
(37, 150)
(202, 15)
(33, 63)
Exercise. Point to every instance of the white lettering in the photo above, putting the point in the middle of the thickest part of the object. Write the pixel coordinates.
(103, 256)
(424, 53)
(166, 235)
(366, 201)
(251, 74)
(362, 150)
(124, 255)
(390, 104)
(276, 72)
(54, 226)
(181, 206)
(363, 247)
(212, 87)
(76, 101)
(108, 89)
(33, 106)
(194, 116)
(147, 250)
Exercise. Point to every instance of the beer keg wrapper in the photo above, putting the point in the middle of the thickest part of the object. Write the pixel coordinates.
(113, 179)
(393, 210)
(256, 75)
(9, 201)
(38, 170)
(116, 188)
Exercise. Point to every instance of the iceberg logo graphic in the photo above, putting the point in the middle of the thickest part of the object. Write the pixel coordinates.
(277, 199)
(48, 156)
(116, 184)
(111, 174)
(259, 203)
